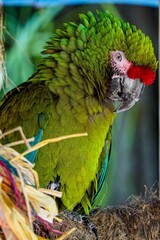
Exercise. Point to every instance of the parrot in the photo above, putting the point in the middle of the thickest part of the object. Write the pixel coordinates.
(90, 71)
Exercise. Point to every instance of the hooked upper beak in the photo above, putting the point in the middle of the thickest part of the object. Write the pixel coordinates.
(125, 90)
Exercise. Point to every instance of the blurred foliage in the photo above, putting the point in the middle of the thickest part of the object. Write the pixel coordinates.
(27, 30)
(134, 158)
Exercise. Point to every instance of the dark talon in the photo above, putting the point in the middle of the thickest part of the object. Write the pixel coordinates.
(91, 227)
(54, 185)
(74, 216)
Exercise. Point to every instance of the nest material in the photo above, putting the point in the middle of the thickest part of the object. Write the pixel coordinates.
(26, 211)
(137, 220)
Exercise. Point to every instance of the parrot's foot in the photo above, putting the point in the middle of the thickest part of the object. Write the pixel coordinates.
(74, 216)
(91, 227)
(54, 185)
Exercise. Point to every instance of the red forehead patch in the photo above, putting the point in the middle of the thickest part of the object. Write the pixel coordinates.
(145, 74)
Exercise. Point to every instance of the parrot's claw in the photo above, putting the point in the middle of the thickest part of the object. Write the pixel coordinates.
(91, 227)
(54, 185)
(74, 216)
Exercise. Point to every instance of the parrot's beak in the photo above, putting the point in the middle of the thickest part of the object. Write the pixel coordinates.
(125, 90)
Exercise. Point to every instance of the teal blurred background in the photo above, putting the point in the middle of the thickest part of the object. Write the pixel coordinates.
(134, 158)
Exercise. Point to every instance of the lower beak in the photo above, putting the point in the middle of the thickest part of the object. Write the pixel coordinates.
(126, 91)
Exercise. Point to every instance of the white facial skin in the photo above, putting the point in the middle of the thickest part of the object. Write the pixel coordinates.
(119, 63)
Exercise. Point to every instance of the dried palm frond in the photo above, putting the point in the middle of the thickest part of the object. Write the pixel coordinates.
(26, 210)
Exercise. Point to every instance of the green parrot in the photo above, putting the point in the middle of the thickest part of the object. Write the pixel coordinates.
(87, 67)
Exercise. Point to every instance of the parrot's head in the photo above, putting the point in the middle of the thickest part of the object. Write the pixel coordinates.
(108, 59)
(132, 62)
(127, 81)
(121, 57)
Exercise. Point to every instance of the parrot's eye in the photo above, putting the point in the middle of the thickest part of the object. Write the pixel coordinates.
(118, 57)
